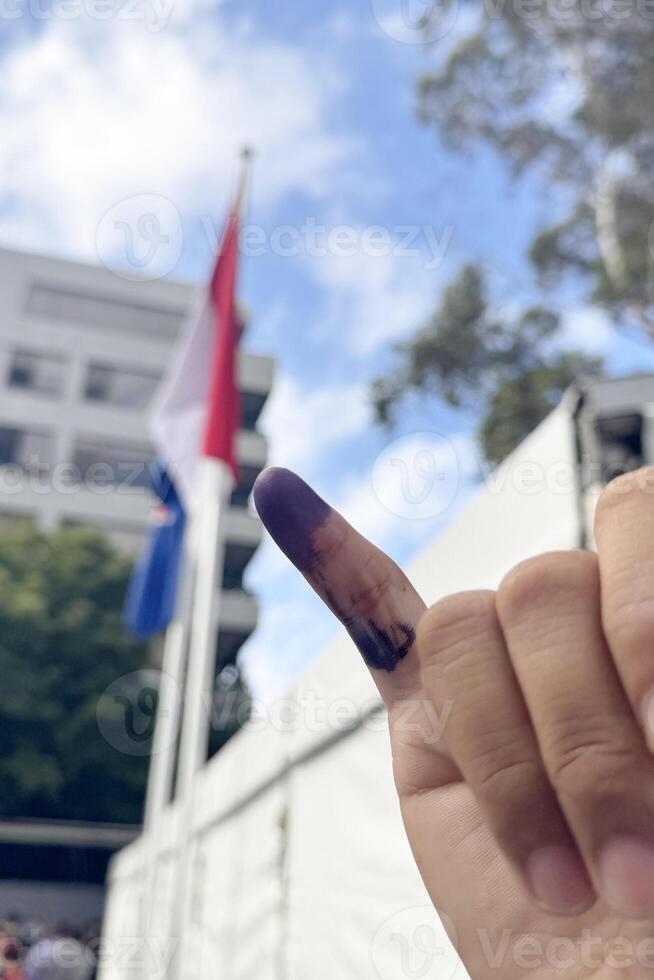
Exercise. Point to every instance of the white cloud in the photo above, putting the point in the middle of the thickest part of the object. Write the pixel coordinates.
(95, 112)
(302, 423)
(588, 329)
(378, 298)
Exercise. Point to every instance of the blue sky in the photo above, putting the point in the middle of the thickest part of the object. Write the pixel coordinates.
(100, 114)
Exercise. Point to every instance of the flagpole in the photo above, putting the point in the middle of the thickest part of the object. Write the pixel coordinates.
(186, 628)
(164, 744)
(206, 467)
(210, 560)
(216, 485)
(217, 480)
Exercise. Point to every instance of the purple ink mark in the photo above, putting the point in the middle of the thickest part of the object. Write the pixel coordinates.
(382, 649)
(292, 513)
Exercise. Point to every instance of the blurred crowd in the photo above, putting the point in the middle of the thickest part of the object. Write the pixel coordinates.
(31, 950)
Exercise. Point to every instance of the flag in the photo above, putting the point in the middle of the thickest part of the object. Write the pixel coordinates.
(196, 414)
(152, 591)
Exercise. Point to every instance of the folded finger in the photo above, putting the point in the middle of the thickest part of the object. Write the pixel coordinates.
(624, 528)
(593, 751)
(463, 653)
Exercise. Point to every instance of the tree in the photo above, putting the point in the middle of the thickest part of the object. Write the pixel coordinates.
(509, 368)
(563, 90)
(62, 645)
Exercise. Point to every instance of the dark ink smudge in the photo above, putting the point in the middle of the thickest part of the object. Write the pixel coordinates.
(382, 649)
(292, 513)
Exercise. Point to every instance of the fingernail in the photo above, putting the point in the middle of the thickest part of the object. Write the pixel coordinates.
(292, 512)
(559, 880)
(627, 875)
(647, 719)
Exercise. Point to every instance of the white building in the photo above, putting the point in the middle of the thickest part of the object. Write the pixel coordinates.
(81, 352)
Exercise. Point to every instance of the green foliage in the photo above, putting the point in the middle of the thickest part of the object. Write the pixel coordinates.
(61, 644)
(521, 402)
(567, 97)
(507, 367)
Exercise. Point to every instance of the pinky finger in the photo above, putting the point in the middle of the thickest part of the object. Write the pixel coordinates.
(361, 585)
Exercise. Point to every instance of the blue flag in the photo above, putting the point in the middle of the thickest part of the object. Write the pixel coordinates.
(152, 592)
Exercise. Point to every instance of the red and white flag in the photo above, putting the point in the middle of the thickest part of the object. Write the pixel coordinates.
(197, 411)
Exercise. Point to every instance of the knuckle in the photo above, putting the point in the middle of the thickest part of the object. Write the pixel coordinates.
(502, 776)
(454, 620)
(504, 762)
(544, 578)
(586, 765)
(623, 489)
(629, 627)
(377, 578)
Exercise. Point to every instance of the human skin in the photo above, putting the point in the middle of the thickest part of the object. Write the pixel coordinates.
(531, 815)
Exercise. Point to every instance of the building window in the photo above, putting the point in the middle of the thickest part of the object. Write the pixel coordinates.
(26, 448)
(252, 403)
(40, 373)
(241, 494)
(237, 558)
(104, 311)
(103, 463)
(118, 386)
(621, 444)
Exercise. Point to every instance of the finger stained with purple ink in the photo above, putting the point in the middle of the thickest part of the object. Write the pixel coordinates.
(306, 528)
(292, 513)
(383, 649)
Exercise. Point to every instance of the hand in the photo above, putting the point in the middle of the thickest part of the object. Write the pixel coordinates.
(533, 815)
